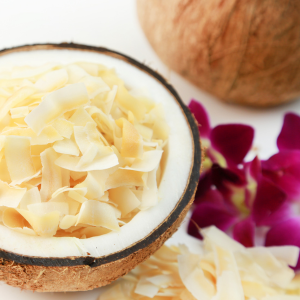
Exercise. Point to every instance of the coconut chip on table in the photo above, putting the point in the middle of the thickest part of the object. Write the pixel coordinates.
(222, 269)
(79, 154)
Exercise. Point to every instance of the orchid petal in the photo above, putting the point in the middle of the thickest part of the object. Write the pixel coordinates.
(253, 175)
(285, 233)
(220, 175)
(253, 168)
(243, 232)
(269, 198)
(227, 180)
(283, 213)
(207, 214)
(204, 184)
(212, 196)
(283, 169)
(233, 141)
(289, 138)
(201, 116)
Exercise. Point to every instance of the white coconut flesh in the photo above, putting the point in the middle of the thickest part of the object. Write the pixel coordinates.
(173, 183)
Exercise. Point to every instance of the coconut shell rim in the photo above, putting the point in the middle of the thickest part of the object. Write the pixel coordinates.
(173, 215)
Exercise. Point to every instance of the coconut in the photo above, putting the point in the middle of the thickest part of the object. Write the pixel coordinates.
(244, 52)
(54, 264)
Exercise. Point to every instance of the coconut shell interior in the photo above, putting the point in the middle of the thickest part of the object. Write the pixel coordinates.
(56, 274)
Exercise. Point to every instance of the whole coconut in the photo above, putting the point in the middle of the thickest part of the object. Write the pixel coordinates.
(242, 51)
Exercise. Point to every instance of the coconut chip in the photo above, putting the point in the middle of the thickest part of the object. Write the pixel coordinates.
(79, 154)
(216, 272)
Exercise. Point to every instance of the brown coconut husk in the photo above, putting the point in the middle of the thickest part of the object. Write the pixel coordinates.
(242, 51)
(53, 274)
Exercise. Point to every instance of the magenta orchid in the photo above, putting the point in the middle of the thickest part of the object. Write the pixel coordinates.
(242, 197)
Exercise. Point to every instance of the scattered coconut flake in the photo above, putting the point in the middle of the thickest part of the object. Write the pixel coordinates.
(214, 272)
(288, 254)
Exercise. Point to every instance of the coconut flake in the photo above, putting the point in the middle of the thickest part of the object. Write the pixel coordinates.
(10, 196)
(16, 100)
(45, 225)
(94, 85)
(75, 73)
(18, 158)
(51, 174)
(98, 163)
(193, 277)
(52, 81)
(26, 71)
(63, 127)
(125, 178)
(287, 254)
(147, 163)
(31, 197)
(55, 104)
(66, 146)
(149, 195)
(98, 214)
(81, 117)
(95, 183)
(67, 221)
(125, 199)
(47, 136)
(19, 112)
(48, 207)
(77, 195)
(146, 288)
(90, 68)
(132, 145)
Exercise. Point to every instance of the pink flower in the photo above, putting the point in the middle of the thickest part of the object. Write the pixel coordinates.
(238, 196)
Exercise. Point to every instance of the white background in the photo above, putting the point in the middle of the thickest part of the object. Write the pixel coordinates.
(113, 24)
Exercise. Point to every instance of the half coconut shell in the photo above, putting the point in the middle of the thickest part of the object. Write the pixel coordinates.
(78, 273)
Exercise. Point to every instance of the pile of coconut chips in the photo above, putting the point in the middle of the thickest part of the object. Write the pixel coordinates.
(80, 155)
(222, 269)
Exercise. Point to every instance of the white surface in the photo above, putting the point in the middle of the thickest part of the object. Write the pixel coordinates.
(113, 24)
